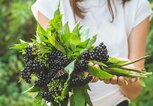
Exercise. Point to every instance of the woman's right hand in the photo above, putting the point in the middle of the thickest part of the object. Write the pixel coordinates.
(95, 79)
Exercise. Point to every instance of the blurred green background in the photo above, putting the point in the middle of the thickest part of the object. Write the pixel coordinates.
(17, 22)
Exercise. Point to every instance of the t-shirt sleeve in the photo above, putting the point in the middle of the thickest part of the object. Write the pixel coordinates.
(143, 11)
(46, 7)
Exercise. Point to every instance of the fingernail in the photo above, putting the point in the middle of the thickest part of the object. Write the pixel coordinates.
(96, 65)
(133, 80)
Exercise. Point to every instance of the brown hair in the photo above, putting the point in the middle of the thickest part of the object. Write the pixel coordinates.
(80, 12)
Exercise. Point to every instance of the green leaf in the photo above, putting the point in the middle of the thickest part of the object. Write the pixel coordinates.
(52, 39)
(71, 38)
(86, 95)
(80, 97)
(38, 100)
(77, 98)
(83, 45)
(65, 90)
(142, 83)
(56, 22)
(41, 34)
(76, 30)
(116, 62)
(32, 89)
(64, 29)
(57, 12)
(121, 72)
(91, 42)
(70, 67)
(84, 33)
(97, 72)
(20, 46)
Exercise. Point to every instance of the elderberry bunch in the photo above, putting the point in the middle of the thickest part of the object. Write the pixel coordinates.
(26, 74)
(57, 60)
(46, 94)
(81, 66)
(28, 54)
(99, 53)
(77, 82)
(54, 92)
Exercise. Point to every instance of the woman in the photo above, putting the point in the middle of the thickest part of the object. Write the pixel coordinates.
(121, 24)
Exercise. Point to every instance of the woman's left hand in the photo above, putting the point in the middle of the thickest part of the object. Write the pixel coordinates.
(120, 80)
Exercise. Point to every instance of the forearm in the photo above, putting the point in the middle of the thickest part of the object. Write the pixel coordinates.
(132, 90)
(137, 48)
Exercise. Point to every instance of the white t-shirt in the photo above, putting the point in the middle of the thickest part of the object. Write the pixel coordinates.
(114, 34)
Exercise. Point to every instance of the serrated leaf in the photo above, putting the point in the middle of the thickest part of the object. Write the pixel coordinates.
(116, 61)
(32, 89)
(76, 30)
(71, 38)
(97, 72)
(56, 22)
(83, 45)
(64, 29)
(57, 12)
(52, 39)
(91, 42)
(22, 41)
(84, 31)
(41, 34)
(20, 46)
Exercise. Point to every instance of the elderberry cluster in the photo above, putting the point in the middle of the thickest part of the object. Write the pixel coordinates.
(77, 82)
(81, 66)
(57, 60)
(99, 53)
(32, 66)
(54, 92)
(50, 74)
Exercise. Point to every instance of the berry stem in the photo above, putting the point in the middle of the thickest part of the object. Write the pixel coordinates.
(139, 59)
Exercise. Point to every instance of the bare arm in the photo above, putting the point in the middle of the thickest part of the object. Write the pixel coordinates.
(43, 21)
(137, 48)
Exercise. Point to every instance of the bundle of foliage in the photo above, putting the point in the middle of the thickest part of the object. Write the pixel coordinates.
(56, 60)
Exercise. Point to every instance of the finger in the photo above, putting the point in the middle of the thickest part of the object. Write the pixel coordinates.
(101, 79)
(95, 79)
(96, 65)
(121, 80)
(90, 63)
(113, 80)
(133, 80)
(107, 81)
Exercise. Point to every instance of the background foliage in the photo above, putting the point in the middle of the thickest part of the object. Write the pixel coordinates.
(16, 21)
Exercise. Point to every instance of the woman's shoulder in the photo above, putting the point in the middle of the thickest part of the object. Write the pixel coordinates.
(136, 11)
(135, 5)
